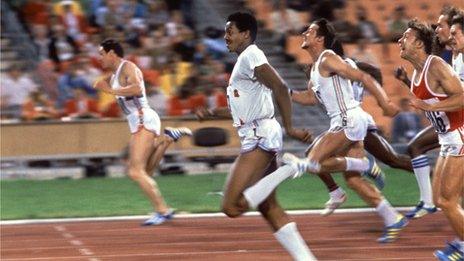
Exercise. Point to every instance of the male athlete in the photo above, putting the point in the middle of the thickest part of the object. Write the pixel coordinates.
(330, 85)
(146, 146)
(427, 139)
(440, 94)
(252, 84)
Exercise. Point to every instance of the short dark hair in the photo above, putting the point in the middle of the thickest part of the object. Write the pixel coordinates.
(450, 12)
(424, 33)
(245, 22)
(459, 19)
(326, 30)
(111, 44)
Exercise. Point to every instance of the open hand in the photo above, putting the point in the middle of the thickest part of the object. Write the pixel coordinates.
(301, 134)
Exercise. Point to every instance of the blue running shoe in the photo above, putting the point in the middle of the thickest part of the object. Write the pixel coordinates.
(158, 219)
(375, 173)
(391, 233)
(420, 210)
(452, 252)
(177, 133)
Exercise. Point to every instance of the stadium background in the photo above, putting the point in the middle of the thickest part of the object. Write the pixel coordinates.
(54, 125)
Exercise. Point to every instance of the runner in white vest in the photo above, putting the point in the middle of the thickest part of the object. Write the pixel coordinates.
(252, 85)
(146, 146)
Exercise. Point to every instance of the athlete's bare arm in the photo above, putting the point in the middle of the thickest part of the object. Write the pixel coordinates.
(133, 81)
(219, 112)
(306, 97)
(448, 83)
(268, 76)
(331, 64)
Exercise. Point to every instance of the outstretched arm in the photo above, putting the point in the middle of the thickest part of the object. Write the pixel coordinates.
(219, 112)
(334, 64)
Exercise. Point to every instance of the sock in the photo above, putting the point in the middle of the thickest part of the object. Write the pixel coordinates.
(289, 237)
(257, 193)
(337, 194)
(387, 212)
(355, 164)
(421, 167)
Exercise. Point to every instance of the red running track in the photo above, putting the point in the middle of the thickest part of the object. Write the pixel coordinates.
(338, 237)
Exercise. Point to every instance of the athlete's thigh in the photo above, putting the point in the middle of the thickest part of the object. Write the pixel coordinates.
(356, 150)
(315, 141)
(248, 168)
(330, 144)
(141, 147)
(426, 139)
(437, 176)
(378, 146)
(452, 180)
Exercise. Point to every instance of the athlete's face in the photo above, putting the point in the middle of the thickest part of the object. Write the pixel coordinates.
(233, 37)
(407, 43)
(309, 36)
(105, 58)
(457, 38)
(443, 30)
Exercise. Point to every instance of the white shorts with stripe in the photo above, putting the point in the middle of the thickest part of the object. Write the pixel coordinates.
(265, 134)
(452, 143)
(354, 123)
(145, 118)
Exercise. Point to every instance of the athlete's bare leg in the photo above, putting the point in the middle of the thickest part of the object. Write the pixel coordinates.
(448, 186)
(382, 150)
(425, 140)
(140, 147)
(364, 189)
(162, 143)
(248, 168)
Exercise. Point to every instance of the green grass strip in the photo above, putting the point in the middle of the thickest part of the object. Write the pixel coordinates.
(29, 199)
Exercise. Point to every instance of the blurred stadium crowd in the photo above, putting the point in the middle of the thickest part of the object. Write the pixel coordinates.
(183, 68)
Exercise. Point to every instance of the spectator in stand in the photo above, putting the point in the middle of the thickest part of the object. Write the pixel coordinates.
(158, 14)
(366, 28)
(136, 8)
(62, 47)
(47, 77)
(35, 12)
(364, 54)
(214, 43)
(15, 88)
(397, 24)
(38, 107)
(82, 106)
(285, 22)
(346, 31)
(41, 41)
(406, 124)
(216, 98)
(71, 80)
(74, 22)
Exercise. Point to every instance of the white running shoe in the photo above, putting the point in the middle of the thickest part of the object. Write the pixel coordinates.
(301, 165)
(332, 204)
(177, 133)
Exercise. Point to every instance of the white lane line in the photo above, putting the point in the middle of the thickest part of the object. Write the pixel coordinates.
(60, 228)
(76, 242)
(200, 215)
(67, 235)
(85, 252)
